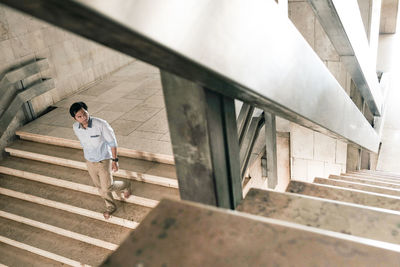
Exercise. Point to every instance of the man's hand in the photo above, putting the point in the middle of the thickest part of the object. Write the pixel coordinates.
(114, 166)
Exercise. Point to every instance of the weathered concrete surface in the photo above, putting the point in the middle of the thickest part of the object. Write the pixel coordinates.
(366, 181)
(346, 195)
(341, 217)
(359, 186)
(186, 234)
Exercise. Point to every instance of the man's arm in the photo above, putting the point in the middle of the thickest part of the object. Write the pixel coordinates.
(109, 136)
(114, 155)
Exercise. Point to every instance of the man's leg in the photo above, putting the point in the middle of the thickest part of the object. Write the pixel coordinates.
(103, 169)
(121, 186)
(94, 173)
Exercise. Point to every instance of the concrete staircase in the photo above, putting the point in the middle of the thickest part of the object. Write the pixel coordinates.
(51, 214)
(330, 222)
(356, 203)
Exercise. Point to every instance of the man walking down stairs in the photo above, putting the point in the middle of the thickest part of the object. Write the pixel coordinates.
(100, 149)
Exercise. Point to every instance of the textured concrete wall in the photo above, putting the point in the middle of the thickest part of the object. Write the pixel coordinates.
(75, 63)
(313, 154)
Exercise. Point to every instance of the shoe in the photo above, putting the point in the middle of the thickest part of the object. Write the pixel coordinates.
(127, 191)
(107, 213)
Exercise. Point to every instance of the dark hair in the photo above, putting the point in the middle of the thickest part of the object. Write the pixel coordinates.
(75, 107)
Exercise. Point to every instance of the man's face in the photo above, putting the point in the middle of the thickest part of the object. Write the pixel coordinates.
(82, 116)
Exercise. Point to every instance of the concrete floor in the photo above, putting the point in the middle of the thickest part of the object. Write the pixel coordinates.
(388, 61)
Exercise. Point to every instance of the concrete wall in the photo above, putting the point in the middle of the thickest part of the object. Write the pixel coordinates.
(314, 154)
(75, 63)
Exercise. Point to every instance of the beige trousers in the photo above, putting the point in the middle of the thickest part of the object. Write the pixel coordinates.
(101, 175)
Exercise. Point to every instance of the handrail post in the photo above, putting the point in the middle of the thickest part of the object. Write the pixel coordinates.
(271, 152)
(249, 141)
(243, 121)
(204, 138)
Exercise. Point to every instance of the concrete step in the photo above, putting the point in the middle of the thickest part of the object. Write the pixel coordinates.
(377, 173)
(65, 142)
(368, 222)
(373, 176)
(54, 244)
(365, 181)
(24, 258)
(359, 186)
(345, 194)
(76, 226)
(209, 236)
(135, 169)
(144, 194)
(357, 176)
(127, 214)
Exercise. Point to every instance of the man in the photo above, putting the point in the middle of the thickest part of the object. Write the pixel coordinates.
(100, 150)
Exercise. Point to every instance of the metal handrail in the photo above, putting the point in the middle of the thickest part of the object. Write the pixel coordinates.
(7, 91)
(12, 101)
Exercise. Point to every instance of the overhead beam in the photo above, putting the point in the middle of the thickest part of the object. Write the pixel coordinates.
(249, 52)
(343, 24)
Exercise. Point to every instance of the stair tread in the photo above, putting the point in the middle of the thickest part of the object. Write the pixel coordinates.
(377, 174)
(373, 178)
(90, 202)
(130, 164)
(8, 257)
(345, 194)
(365, 181)
(141, 189)
(57, 244)
(69, 221)
(342, 217)
(359, 186)
(218, 237)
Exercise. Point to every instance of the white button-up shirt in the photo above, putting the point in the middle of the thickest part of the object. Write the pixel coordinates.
(96, 140)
